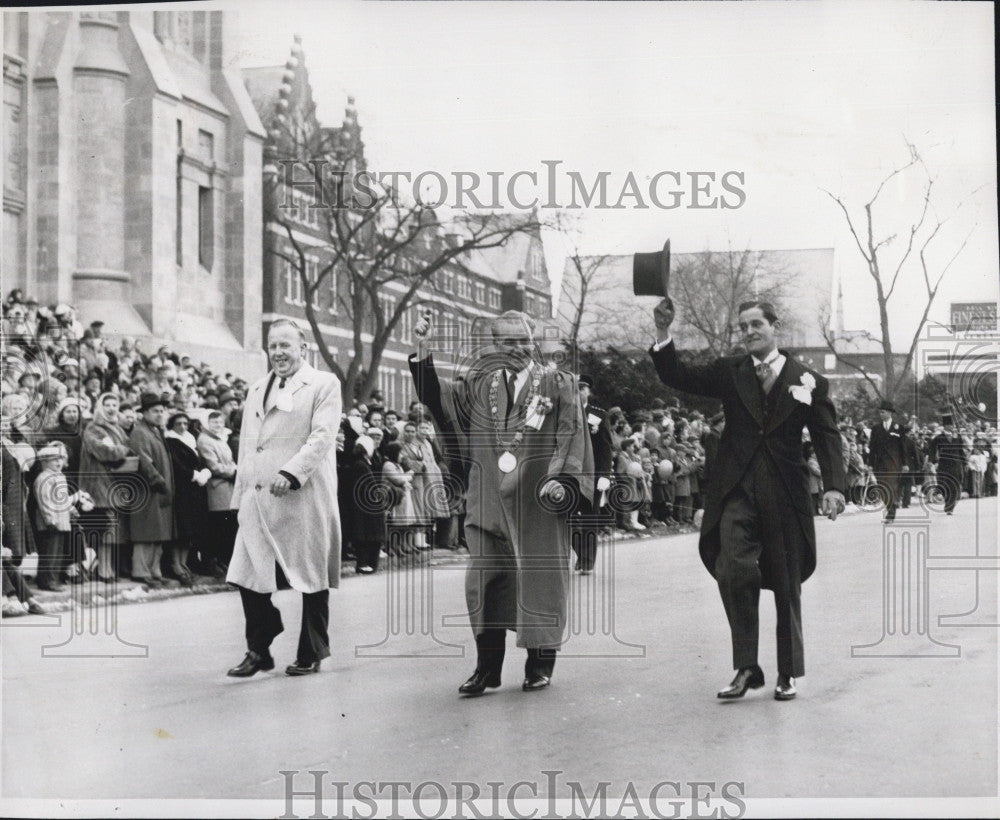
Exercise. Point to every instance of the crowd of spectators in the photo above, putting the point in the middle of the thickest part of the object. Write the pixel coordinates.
(120, 463)
(117, 462)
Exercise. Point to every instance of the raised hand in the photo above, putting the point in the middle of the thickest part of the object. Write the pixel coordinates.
(424, 325)
(663, 317)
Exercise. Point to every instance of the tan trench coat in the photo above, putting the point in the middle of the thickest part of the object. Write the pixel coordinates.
(300, 531)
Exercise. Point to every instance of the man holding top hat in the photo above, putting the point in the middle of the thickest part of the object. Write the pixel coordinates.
(887, 454)
(525, 441)
(758, 528)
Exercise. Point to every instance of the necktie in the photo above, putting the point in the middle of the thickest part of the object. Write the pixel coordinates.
(766, 376)
(511, 379)
(270, 384)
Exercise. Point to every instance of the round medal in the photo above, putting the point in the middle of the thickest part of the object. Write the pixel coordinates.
(507, 462)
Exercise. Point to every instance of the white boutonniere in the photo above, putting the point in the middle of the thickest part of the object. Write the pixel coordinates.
(539, 407)
(803, 392)
(594, 421)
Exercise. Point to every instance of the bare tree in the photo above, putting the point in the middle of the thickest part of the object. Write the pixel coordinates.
(876, 248)
(385, 249)
(582, 284)
(708, 287)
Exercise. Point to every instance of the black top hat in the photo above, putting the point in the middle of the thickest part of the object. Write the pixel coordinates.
(148, 400)
(887, 406)
(947, 419)
(586, 381)
(651, 273)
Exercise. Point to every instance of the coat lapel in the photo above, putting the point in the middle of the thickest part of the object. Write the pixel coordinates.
(748, 388)
(784, 404)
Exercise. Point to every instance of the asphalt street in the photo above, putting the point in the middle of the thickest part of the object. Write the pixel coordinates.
(632, 698)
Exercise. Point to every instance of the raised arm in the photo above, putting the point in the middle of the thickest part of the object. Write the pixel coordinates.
(702, 380)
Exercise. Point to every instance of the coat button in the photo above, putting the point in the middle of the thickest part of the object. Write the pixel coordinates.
(260, 449)
(258, 487)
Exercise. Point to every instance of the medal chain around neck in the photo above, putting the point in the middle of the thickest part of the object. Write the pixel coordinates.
(536, 380)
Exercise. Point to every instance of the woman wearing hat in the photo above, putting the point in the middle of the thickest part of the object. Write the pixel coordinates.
(191, 498)
(104, 448)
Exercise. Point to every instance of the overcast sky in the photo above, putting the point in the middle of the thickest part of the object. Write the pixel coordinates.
(799, 97)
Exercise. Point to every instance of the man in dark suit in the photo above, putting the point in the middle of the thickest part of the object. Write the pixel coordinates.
(757, 530)
(887, 455)
(947, 452)
(587, 521)
(914, 460)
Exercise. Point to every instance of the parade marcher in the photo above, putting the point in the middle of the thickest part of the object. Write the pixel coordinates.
(286, 492)
(152, 525)
(758, 529)
(888, 457)
(947, 452)
(586, 522)
(527, 446)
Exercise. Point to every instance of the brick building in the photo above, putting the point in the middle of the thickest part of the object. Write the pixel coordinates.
(478, 284)
(132, 176)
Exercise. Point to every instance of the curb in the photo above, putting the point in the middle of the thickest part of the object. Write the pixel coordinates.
(91, 592)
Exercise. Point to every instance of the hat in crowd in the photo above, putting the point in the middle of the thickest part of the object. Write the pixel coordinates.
(62, 309)
(226, 395)
(97, 323)
(368, 443)
(50, 450)
(150, 400)
(375, 431)
(887, 406)
(586, 381)
(126, 405)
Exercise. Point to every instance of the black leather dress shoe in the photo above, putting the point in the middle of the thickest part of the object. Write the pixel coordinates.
(749, 677)
(299, 668)
(535, 682)
(478, 683)
(251, 665)
(785, 690)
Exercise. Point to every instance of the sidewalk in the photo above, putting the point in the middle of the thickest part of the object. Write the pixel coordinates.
(127, 591)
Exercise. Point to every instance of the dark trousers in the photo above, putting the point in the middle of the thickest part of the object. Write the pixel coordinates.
(950, 484)
(52, 556)
(888, 484)
(583, 536)
(752, 538)
(367, 552)
(491, 647)
(905, 489)
(263, 623)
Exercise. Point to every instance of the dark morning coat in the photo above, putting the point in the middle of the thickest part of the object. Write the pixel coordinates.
(887, 449)
(775, 432)
(507, 506)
